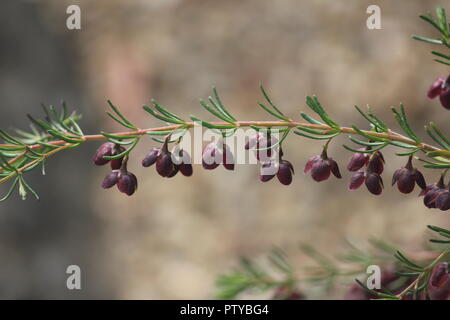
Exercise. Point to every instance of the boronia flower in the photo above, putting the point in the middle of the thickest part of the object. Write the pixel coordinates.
(108, 149)
(217, 153)
(358, 160)
(439, 284)
(407, 177)
(374, 183)
(441, 88)
(283, 169)
(437, 195)
(436, 88)
(165, 165)
(321, 167)
(376, 163)
(126, 181)
(262, 143)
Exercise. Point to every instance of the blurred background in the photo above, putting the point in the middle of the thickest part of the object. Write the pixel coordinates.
(172, 239)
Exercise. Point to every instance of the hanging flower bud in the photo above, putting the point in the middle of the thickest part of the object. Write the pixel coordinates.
(211, 157)
(444, 98)
(431, 192)
(439, 275)
(186, 166)
(164, 164)
(263, 143)
(407, 177)
(436, 88)
(357, 180)
(374, 183)
(268, 170)
(443, 200)
(251, 143)
(127, 182)
(227, 158)
(358, 160)
(376, 163)
(105, 149)
(175, 170)
(285, 172)
(322, 166)
(151, 157)
(439, 285)
(110, 180)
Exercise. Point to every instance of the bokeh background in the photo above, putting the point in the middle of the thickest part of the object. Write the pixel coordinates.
(175, 236)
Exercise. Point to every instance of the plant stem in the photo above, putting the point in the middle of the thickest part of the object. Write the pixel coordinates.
(391, 136)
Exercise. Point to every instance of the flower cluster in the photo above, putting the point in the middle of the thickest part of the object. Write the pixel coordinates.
(437, 195)
(126, 181)
(321, 166)
(373, 165)
(217, 153)
(271, 159)
(167, 163)
(441, 88)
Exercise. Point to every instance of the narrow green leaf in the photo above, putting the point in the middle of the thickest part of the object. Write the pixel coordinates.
(365, 151)
(322, 137)
(212, 126)
(442, 19)
(123, 154)
(10, 191)
(220, 105)
(441, 55)
(166, 112)
(116, 110)
(276, 115)
(266, 96)
(428, 40)
(161, 117)
(310, 119)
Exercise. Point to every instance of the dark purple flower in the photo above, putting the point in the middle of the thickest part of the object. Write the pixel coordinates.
(127, 182)
(164, 164)
(441, 88)
(444, 98)
(105, 149)
(436, 88)
(110, 180)
(263, 143)
(439, 285)
(376, 163)
(285, 172)
(227, 158)
(321, 167)
(357, 180)
(186, 165)
(407, 177)
(216, 153)
(374, 183)
(432, 192)
(151, 157)
(443, 200)
(211, 157)
(108, 149)
(358, 160)
(269, 170)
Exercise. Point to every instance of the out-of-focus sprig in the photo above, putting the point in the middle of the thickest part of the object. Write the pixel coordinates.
(422, 277)
(254, 277)
(400, 277)
(441, 24)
